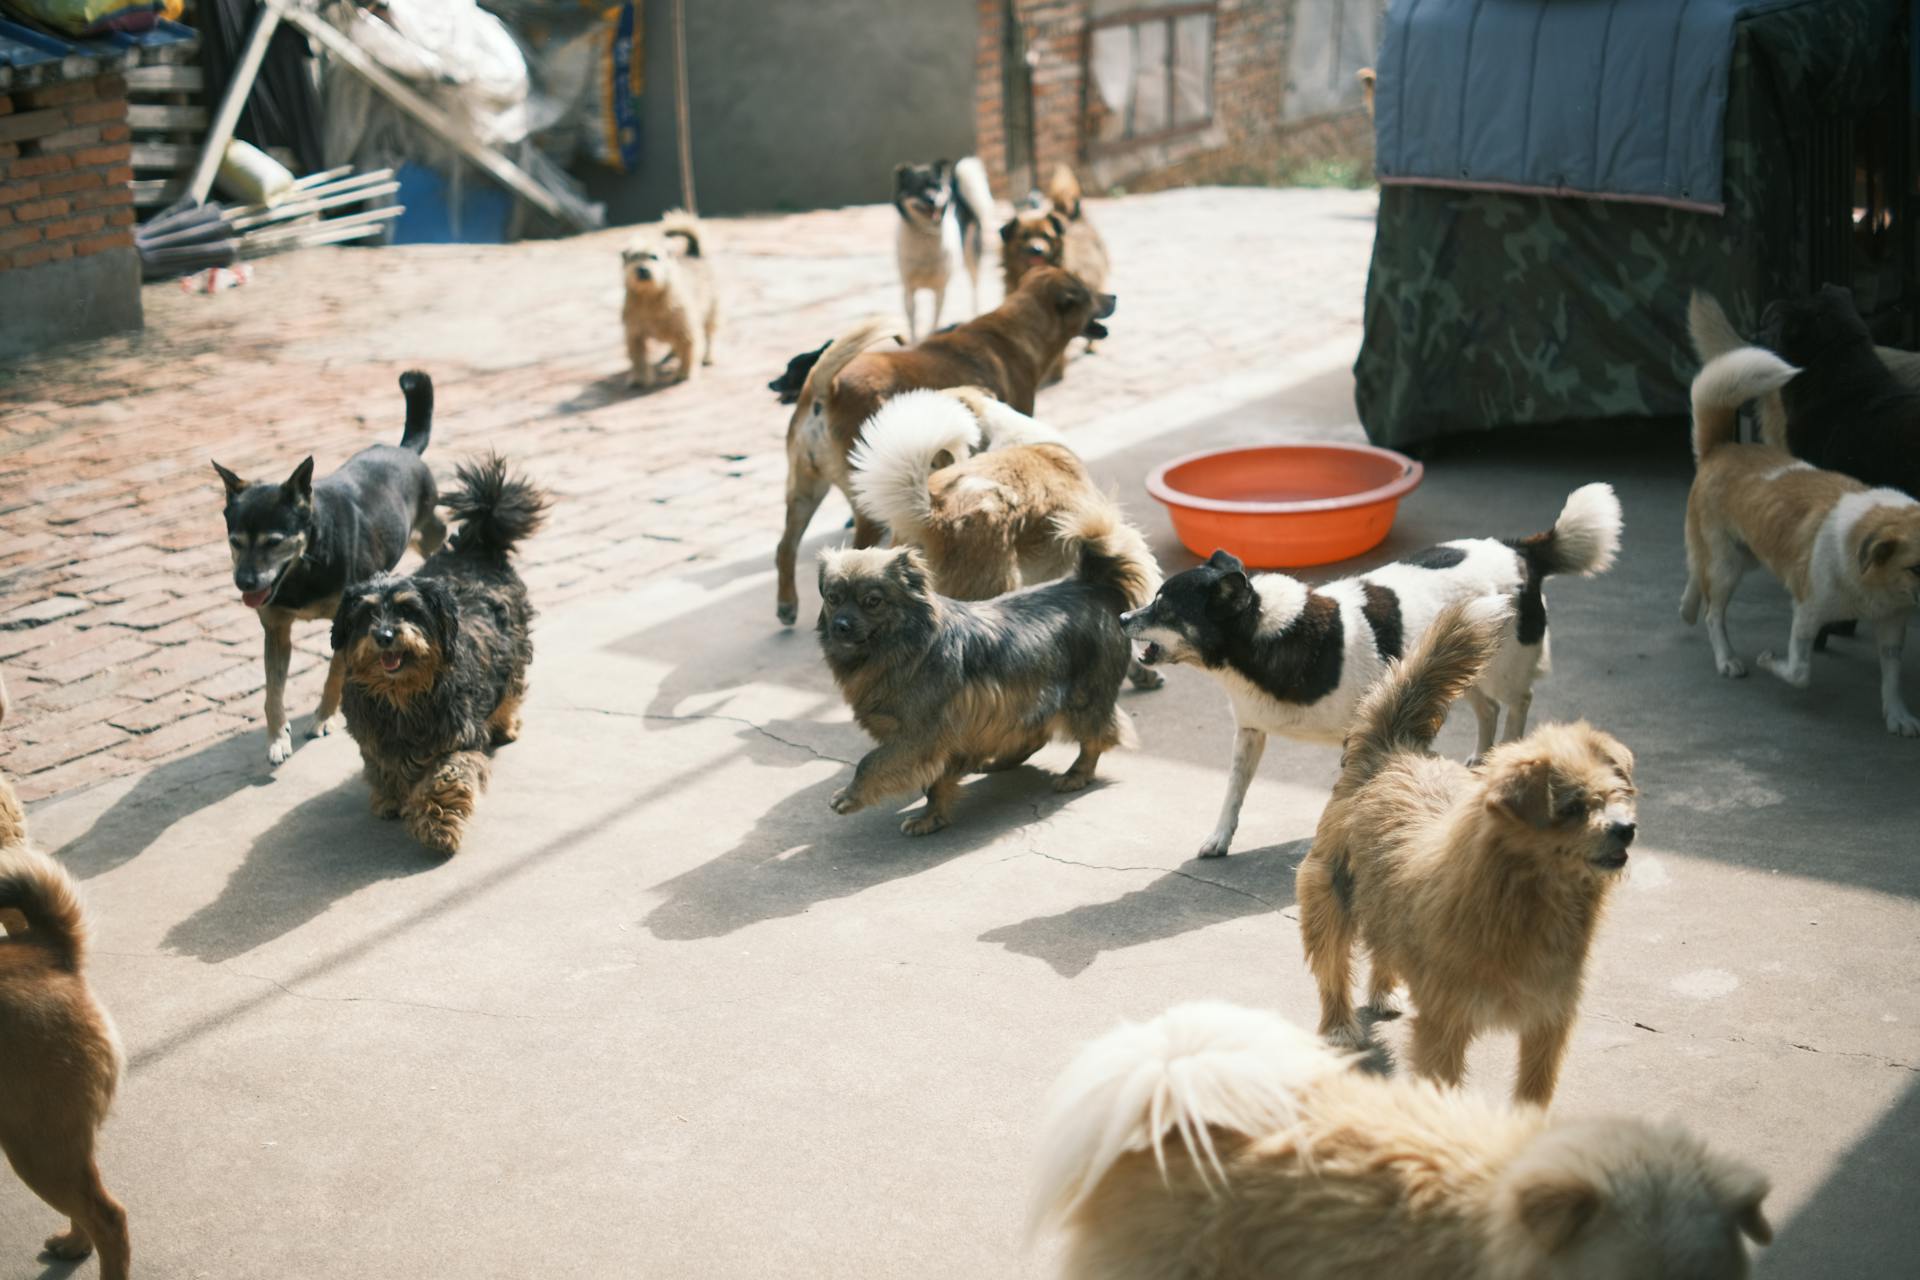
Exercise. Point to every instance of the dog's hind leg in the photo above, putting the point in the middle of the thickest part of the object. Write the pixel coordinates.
(60, 1169)
(326, 717)
(1248, 746)
(1543, 1046)
(429, 533)
(279, 656)
(1720, 576)
(437, 809)
(806, 488)
(1323, 887)
(1439, 1045)
(1382, 982)
(1487, 712)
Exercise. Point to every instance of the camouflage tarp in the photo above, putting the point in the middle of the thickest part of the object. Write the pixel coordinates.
(1486, 310)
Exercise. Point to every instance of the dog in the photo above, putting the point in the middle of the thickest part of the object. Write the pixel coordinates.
(794, 376)
(1841, 549)
(1479, 888)
(1005, 352)
(62, 1060)
(1220, 1143)
(1854, 408)
(1369, 81)
(1054, 233)
(1295, 659)
(437, 661)
(986, 522)
(942, 208)
(950, 688)
(296, 545)
(670, 298)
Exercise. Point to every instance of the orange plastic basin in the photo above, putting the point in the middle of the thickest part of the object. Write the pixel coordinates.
(1284, 506)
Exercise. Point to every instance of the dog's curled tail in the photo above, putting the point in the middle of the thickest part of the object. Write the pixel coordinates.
(1405, 709)
(678, 222)
(838, 355)
(1585, 536)
(44, 894)
(970, 180)
(1195, 1071)
(496, 509)
(1113, 554)
(1713, 336)
(1063, 191)
(1727, 382)
(912, 436)
(417, 387)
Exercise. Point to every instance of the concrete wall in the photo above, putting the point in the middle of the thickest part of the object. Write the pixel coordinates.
(799, 104)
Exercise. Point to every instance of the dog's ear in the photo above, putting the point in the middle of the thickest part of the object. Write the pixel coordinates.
(299, 485)
(944, 458)
(1058, 223)
(346, 617)
(1877, 550)
(909, 569)
(941, 168)
(444, 609)
(233, 482)
(1226, 562)
(1232, 593)
(1553, 1205)
(1524, 789)
(1007, 232)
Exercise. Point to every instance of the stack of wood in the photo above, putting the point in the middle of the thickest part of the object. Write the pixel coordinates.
(167, 112)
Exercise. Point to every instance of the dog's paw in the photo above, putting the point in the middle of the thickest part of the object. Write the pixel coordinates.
(321, 728)
(1904, 723)
(1217, 845)
(844, 802)
(1383, 1010)
(1145, 677)
(1732, 668)
(924, 824)
(1072, 782)
(1798, 677)
(385, 808)
(68, 1246)
(788, 611)
(1348, 1036)
(280, 748)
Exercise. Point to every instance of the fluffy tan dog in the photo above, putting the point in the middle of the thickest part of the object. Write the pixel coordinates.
(1841, 549)
(60, 1058)
(1055, 233)
(1480, 888)
(1290, 1164)
(670, 297)
(1006, 352)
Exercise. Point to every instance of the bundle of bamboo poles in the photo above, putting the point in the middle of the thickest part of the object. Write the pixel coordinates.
(191, 237)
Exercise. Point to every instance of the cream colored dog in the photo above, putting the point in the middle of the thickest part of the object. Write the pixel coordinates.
(1841, 549)
(670, 297)
(1288, 1163)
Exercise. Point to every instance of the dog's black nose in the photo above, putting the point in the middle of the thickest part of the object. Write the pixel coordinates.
(1623, 832)
(384, 635)
(842, 627)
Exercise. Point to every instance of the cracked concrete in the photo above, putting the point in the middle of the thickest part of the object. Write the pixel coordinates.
(667, 1015)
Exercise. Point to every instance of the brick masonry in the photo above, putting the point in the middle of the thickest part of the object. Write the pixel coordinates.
(122, 639)
(60, 144)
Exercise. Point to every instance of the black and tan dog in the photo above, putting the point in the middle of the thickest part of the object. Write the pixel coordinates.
(297, 545)
(60, 1058)
(436, 663)
(950, 688)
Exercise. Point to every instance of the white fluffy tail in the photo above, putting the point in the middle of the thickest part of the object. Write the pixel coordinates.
(1001, 425)
(1727, 382)
(912, 436)
(1586, 533)
(1196, 1067)
(970, 180)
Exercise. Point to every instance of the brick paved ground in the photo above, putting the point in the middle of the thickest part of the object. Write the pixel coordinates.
(123, 640)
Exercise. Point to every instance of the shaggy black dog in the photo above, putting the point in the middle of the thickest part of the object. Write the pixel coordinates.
(1846, 411)
(437, 662)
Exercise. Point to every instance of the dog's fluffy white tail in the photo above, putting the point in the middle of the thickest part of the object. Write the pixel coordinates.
(1196, 1068)
(1586, 534)
(970, 180)
(912, 436)
(1727, 382)
(1001, 425)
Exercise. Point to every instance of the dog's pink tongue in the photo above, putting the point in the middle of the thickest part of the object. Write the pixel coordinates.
(390, 661)
(253, 599)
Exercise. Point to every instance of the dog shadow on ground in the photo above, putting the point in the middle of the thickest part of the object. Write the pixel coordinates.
(1199, 894)
(167, 793)
(315, 854)
(613, 388)
(59, 1269)
(793, 859)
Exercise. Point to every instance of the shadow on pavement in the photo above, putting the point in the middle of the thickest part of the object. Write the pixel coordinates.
(167, 793)
(315, 854)
(1853, 1224)
(1194, 896)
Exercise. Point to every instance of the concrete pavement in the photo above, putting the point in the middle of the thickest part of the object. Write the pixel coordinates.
(666, 1015)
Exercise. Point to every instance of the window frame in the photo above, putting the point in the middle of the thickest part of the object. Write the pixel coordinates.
(1168, 15)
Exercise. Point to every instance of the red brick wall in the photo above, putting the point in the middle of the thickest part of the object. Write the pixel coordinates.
(65, 156)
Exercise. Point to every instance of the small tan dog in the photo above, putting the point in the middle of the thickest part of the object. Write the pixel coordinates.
(1842, 550)
(60, 1058)
(670, 297)
(1289, 1163)
(1480, 888)
(1055, 233)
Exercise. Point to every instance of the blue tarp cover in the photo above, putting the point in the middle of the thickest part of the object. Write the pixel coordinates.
(1624, 99)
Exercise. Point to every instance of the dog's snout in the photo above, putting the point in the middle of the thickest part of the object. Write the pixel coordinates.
(1623, 832)
(841, 626)
(383, 635)
(1107, 303)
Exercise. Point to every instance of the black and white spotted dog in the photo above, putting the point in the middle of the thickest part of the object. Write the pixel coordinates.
(1295, 659)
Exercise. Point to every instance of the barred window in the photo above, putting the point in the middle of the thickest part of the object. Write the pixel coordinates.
(1150, 71)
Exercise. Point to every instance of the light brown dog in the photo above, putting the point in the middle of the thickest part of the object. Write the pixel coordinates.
(1841, 549)
(1056, 233)
(1006, 352)
(1217, 1143)
(670, 297)
(60, 1058)
(1479, 888)
(1368, 79)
